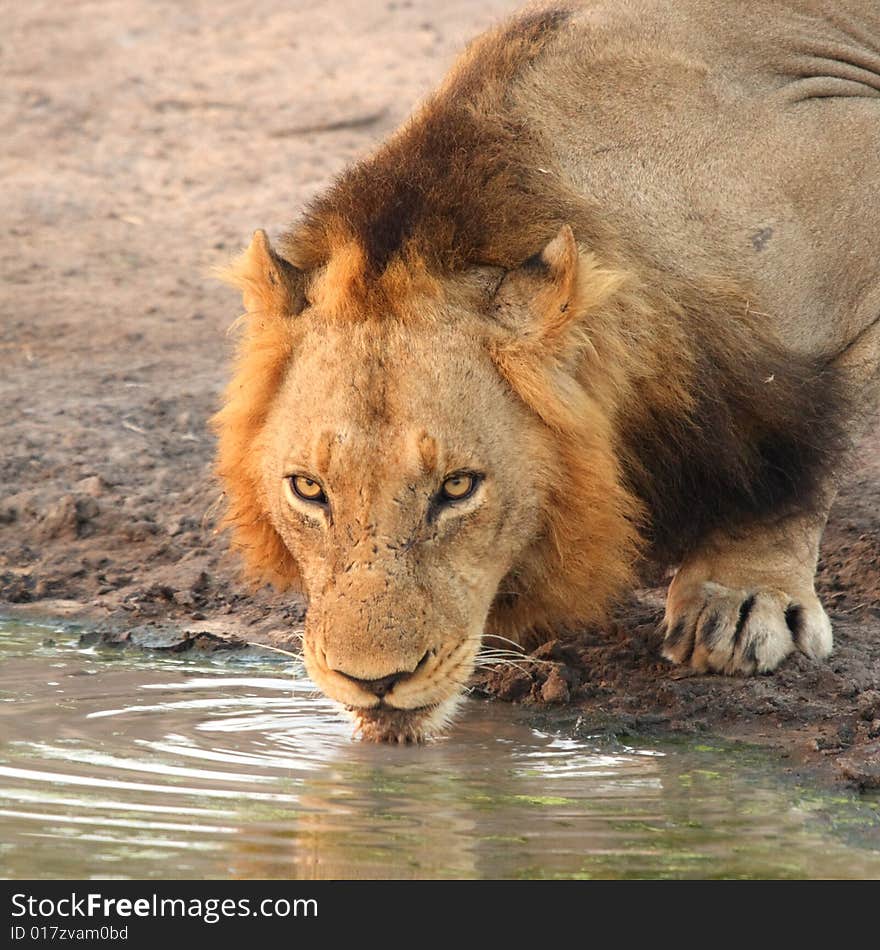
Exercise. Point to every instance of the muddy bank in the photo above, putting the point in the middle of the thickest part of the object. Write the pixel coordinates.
(165, 134)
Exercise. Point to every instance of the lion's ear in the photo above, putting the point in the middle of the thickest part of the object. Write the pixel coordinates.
(544, 300)
(544, 314)
(268, 283)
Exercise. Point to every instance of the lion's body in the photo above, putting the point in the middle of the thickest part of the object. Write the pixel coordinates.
(738, 136)
(681, 377)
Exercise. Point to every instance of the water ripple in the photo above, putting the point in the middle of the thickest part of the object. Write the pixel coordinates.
(257, 776)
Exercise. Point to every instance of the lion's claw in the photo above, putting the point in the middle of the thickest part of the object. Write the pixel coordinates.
(726, 630)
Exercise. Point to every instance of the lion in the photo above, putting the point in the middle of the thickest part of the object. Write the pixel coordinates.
(610, 298)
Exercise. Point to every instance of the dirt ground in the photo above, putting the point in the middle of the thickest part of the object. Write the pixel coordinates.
(143, 143)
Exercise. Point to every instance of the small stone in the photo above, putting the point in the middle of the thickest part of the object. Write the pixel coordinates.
(555, 688)
(115, 637)
(94, 485)
(69, 517)
(552, 650)
(869, 704)
(862, 765)
(61, 519)
(512, 684)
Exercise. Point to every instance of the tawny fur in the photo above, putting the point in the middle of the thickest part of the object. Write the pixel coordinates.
(665, 388)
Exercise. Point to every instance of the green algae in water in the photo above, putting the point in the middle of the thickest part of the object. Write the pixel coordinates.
(118, 763)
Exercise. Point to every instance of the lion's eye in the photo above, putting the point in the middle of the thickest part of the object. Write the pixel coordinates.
(308, 489)
(458, 487)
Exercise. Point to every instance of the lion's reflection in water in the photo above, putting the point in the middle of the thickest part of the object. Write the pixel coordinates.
(495, 799)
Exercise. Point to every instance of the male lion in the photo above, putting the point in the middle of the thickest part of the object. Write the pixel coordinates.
(612, 294)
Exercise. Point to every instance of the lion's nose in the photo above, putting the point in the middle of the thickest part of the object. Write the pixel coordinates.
(379, 687)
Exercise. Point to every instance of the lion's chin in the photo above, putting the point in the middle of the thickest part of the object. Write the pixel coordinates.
(403, 726)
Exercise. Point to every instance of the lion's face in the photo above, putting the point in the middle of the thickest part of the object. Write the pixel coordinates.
(392, 468)
(424, 474)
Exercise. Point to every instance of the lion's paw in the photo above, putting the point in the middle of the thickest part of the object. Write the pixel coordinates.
(724, 630)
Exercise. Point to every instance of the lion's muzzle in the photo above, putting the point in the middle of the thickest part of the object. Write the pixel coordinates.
(392, 642)
(396, 695)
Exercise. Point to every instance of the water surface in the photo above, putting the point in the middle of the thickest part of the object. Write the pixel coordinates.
(116, 764)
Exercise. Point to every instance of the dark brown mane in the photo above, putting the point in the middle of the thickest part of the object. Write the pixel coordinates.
(766, 428)
(455, 184)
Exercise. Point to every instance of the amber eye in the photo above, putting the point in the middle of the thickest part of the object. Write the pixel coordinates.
(308, 489)
(458, 486)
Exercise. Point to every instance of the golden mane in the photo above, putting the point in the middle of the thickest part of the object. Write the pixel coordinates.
(265, 348)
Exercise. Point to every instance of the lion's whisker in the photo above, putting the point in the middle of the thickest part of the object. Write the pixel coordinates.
(493, 664)
(497, 636)
(265, 646)
(506, 657)
(519, 656)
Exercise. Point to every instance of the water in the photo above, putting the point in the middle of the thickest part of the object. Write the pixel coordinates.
(122, 765)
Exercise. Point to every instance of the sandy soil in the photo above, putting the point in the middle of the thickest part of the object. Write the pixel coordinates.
(143, 142)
